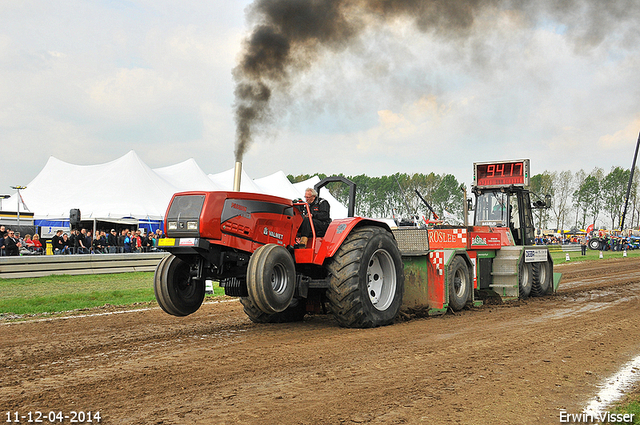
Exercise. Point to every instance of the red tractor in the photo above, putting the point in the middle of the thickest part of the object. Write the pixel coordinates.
(360, 270)
(247, 242)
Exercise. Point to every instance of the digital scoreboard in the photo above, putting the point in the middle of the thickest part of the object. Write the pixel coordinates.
(501, 173)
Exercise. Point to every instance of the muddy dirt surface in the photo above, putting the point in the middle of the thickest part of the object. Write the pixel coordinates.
(517, 363)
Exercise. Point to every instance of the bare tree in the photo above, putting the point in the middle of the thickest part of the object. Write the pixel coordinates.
(578, 201)
(562, 190)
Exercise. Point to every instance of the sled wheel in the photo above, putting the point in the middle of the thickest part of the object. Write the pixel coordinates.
(366, 279)
(542, 279)
(271, 278)
(294, 313)
(176, 291)
(525, 279)
(459, 284)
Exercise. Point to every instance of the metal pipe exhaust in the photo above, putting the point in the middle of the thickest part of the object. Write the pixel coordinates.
(236, 176)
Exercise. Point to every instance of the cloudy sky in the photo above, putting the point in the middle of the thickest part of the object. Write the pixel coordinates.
(86, 82)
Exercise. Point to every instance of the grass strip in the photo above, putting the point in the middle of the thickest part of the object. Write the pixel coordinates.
(575, 256)
(59, 293)
(631, 405)
(51, 294)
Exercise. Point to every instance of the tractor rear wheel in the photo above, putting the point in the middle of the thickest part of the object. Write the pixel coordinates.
(525, 279)
(542, 279)
(271, 278)
(176, 291)
(459, 284)
(595, 244)
(294, 313)
(366, 279)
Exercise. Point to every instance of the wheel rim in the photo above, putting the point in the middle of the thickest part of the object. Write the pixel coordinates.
(381, 280)
(542, 274)
(279, 279)
(459, 283)
(183, 284)
(524, 280)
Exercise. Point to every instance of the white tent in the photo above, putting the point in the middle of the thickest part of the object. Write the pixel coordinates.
(127, 188)
(278, 184)
(186, 176)
(225, 181)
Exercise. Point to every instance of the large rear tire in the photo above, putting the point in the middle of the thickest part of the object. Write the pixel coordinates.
(294, 313)
(596, 244)
(366, 279)
(176, 291)
(542, 279)
(459, 284)
(525, 279)
(271, 278)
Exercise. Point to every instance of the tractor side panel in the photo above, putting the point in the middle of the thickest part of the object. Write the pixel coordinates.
(485, 240)
(416, 286)
(438, 295)
(448, 238)
(423, 285)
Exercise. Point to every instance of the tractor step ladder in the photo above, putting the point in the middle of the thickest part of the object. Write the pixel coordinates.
(505, 272)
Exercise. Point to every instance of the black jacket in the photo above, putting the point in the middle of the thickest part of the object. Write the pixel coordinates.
(320, 210)
(57, 242)
(11, 246)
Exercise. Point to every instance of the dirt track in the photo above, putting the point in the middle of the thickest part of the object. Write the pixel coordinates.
(519, 363)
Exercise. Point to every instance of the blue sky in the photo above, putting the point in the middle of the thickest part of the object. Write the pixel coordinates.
(88, 81)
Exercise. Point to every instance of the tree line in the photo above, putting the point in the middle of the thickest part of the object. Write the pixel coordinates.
(395, 195)
(578, 199)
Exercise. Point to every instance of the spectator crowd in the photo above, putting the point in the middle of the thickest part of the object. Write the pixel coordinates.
(611, 242)
(80, 242)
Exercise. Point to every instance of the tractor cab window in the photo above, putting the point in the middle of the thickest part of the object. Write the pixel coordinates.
(514, 213)
(492, 209)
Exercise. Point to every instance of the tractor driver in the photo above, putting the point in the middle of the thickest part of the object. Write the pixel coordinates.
(319, 214)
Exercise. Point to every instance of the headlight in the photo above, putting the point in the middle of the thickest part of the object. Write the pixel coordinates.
(173, 225)
(192, 225)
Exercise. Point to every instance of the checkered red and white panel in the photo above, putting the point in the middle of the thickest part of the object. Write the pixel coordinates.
(461, 234)
(437, 258)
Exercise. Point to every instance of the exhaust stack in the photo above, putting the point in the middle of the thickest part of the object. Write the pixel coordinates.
(236, 176)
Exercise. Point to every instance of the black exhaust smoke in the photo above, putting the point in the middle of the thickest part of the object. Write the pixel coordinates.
(288, 35)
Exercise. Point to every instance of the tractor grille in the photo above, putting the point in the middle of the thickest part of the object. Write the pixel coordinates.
(412, 241)
(183, 218)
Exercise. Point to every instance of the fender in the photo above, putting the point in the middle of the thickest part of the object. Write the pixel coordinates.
(338, 231)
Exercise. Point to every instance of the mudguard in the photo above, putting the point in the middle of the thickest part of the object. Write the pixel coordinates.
(337, 232)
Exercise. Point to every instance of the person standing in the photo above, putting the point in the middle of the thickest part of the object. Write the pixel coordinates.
(583, 245)
(112, 241)
(3, 237)
(127, 242)
(121, 238)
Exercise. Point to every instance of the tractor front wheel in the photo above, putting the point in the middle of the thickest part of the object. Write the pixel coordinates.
(271, 278)
(366, 279)
(176, 291)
